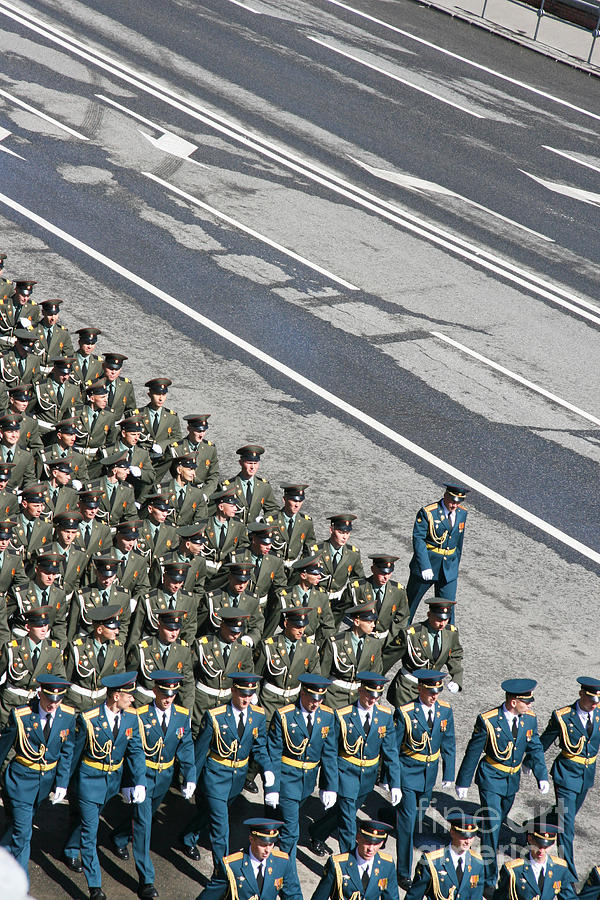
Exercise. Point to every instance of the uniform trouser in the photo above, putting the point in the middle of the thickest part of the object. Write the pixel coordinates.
(412, 806)
(140, 823)
(289, 833)
(342, 815)
(417, 588)
(214, 813)
(84, 837)
(494, 810)
(568, 804)
(23, 805)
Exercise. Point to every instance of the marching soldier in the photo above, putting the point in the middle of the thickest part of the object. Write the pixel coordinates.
(166, 737)
(12, 573)
(121, 395)
(62, 444)
(96, 425)
(254, 493)
(294, 532)
(506, 736)
(95, 536)
(33, 529)
(235, 595)
(52, 337)
(141, 475)
(163, 650)
(42, 591)
(59, 494)
(155, 531)
(388, 596)
(455, 870)
(57, 396)
(424, 731)
(73, 560)
(9, 499)
(22, 473)
(189, 551)
(42, 735)
(134, 569)
(22, 661)
(205, 452)
(87, 365)
(577, 729)
(343, 565)
(22, 364)
(104, 590)
(216, 658)
(262, 871)
(308, 594)
(161, 424)
(19, 398)
(438, 535)
(302, 745)
(351, 652)
(188, 505)
(228, 735)
(170, 594)
(365, 732)
(93, 656)
(540, 874)
(21, 304)
(106, 737)
(268, 577)
(431, 644)
(366, 873)
(117, 497)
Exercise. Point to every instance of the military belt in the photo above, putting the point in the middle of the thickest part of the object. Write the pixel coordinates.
(87, 692)
(422, 757)
(102, 767)
(230, 763)
(347, 685)
(221, 693)
(381, 634)
(159, 766)
(145, 691)
(447, 551)
(21, 692)
(335, 595)
(510, 770)
(582, 760)
(409, 675)
(299, 764)
(361, 763)
(36, 766)
(287, 693)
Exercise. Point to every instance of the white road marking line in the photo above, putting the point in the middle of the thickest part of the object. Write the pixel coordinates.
(465, 59)
(515, 377)
(565, 189)
(404, 81)
(418, 184)
(4, 132)
(309, 385)
(43, 115)
(251, 232)
(436, 235)
(247, 8)
(580, 162)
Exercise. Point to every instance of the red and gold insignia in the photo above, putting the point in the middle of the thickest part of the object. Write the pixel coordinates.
(128, 733)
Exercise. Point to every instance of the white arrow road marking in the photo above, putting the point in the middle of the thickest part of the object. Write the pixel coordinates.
(575, 159)
(565, 189)
(4, 132)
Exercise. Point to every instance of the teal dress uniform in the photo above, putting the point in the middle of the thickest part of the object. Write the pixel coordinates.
(298, 757)
(518, 882)
(437, 545)
(436, 877)
(341, 879)
(222, 757)
(591, 886)
(359, 754)
(161, 750)
(234, 877)
(497, 774)
(98, 778)
(574, 769)
(39, 764)
(420, 746)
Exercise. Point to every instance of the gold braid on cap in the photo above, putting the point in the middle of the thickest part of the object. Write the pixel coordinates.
(435, 884)
(500, 754)
(570, 747)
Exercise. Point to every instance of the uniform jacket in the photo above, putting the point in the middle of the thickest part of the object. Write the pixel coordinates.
(349, 568)
(207, 462)
(41, 535)
(213, 687)
(115, 505)
(12, 573)
(30, 435)
(162, 749)
(299, 543)
(137, 456)
(91, 437)
(280, 675)
(320, 618)
(78, 461)
(298, 757)
(47, 408)
(393, 612)
(24, 733)
(436, 544)
(517, 881)
(341, 879)
(412, 645)
(133, 573)
(146, 658)
(26, 597)
(60, 499)
(94, 743)
(21, 673)
(435, 876)
(168, 431)
(84, 670)
(73, 566)
(570, 769)
(234, 877)
(218, 745)
(9, 503)
(191, 509)
(162, 541)
(263, 501)
(493, 737)
(354, 747)
(236, 540)
(57, 343)
(338, 662)
(93, 371)
(87, 598)
(145, 620)
(10, 313)
(100, 539)
(270, 579)
(246, 602)
(10, 372)
(196, 575)
(123, 395)
(419, 749)
(23, 472)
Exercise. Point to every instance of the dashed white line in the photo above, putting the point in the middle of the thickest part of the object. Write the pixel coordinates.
(309, 385)
(575, 159)
(243, 6)
(524, 381)
(405, 81)
(565, 189)
(261, 237)
(42, 115)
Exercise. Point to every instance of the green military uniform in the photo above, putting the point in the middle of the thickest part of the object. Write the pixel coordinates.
(86, 369)
(143, 483)
(343, 572)
(134, 569)
(31, 596)
(148, 656)
(73, 565)
(22, 473)
(60, 499)
(78, 461)
(92, 597)
(187, 502)
(245, 602)
(219, 549)
(121, 395)
(49, 405)
(205, 453)
(55, 340)
(254, 495)
(161, 428)
(293, 535)
(267, 578)
(95, 428)
(280, 684)
(18, 661)
(344, 655)
(9, 500)
(196, 572)
(391, 603)
(211, 671)
(11, 310)
(145, 620)
(117, 499)
(320, 618)
(96, 537)
(15, 369)
(159, 539)
(86, 671)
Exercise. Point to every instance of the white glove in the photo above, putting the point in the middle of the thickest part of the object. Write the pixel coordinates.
(544, 787)
(139, 793)
(127, 792)
(76, 483)
(156, 448)
(247, 640)
(135, 471)
(396, 796)
(328, 798)
(461, 793)
(272, 799)
(269, 779)
(188, 790)
(453, 687)
(427, 574)
(447, 784)
(59, 795)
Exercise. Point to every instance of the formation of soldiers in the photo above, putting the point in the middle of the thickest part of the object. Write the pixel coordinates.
(162, 625)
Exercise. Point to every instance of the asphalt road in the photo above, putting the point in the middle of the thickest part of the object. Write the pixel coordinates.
(279, 130)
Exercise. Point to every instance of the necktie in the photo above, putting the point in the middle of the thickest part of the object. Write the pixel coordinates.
(35, 656)
(240, 725)
(290, 527)
(437, 645)
(21, 364)
(515, 727)
(541, 879)
(47, 727)
(365, 878)
(260, 877)
(116, 726)
(155, 423)
(84, 369)
(249, 493)
(9, 455)
(93, 421)
(111, 394)
(226, 653)
(359, 649)
(104, 598)
(86, 535)
(29, 529)
(430, 719)
(378, 599)
(291, 651)
(305, 599)
(459, 870)
(335, 559)
(367, 725)
(101, 656)
(589, 727)
(165, 656)
(164, 724)
(59, 395)
(222, 536)
(309, 723)
(44, 598)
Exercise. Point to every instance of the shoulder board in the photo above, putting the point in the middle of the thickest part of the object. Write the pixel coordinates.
(383, 708)
(563, 711)
(344, 710)
(476, 855)
(284, 593)
(514, 863)
(531, 715)
(269, 640)
(210, 443)
(227, 481)
(326, 708)
(117, 642)
(14, 644)
(435, 854)
(352, 547)
(183, 643)
(256, 708)
(183, 710)
(54, 644)
(304, 516)
(233, 857)
(128, 381)
(281, 854)
(22, 711)
(387, 856)
(204, 639)
(407, 707)
(490, 713)
(557, 860)
(172, 412)
(131, 712)
(260, 478)
(67, 709)
(143, 709)
(91, 714)
(444, 703)
(78, 642)
(144, 644)
(340, 857)
(430, 507)
(288, 708)
(452, 627)
(218, 710)
(410, 630)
